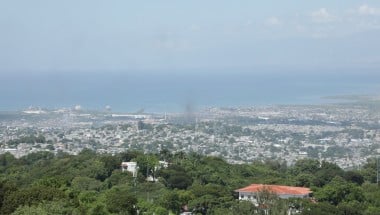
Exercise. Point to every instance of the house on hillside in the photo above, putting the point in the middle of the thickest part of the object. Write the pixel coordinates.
(253, 191)
(256, 193)
(130, 167)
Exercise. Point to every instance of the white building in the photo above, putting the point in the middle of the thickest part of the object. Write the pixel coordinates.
(130, 167)
(253, 192)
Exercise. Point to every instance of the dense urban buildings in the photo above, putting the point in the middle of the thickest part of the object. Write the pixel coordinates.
(345, 134)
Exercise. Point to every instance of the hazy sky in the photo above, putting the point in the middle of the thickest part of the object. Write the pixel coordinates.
(167, 35)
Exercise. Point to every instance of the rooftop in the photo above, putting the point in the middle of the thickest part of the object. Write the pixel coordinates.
(277, 189)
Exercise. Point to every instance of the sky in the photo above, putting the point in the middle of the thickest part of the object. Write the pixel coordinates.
(188, 36)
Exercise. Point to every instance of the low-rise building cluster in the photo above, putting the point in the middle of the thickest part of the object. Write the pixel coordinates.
(343, 134)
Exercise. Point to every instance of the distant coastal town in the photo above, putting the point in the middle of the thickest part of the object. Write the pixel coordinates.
(345, 134)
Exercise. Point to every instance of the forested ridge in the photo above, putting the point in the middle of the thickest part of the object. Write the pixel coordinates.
(90, 183)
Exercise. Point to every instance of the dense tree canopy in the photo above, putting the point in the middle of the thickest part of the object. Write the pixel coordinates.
(90, 183)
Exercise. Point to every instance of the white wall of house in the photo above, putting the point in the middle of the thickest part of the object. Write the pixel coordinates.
(254, 196)
(130, 167)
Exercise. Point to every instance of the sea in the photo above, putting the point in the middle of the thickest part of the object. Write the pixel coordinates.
(158, 92)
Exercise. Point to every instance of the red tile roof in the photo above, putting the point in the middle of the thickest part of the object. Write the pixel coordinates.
(277, 189)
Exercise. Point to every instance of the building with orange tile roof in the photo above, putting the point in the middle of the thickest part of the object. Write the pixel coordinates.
(253, 191)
